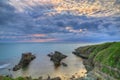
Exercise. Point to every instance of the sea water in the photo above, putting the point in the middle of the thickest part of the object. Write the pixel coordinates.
(10, 54)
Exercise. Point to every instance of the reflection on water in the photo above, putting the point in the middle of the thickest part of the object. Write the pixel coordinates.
(42, 66)
(37, 69)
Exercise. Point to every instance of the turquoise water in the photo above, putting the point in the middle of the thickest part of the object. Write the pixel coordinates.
(10, 54)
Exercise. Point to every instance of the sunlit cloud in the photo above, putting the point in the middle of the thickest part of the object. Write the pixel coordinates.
(38, 35)
(73, 7)
(40, 40)
(70, 29)
(59, 20)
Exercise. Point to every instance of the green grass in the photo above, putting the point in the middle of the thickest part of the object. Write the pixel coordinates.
(106, 54)
(8, 78)
(99, 48)
(109, 56)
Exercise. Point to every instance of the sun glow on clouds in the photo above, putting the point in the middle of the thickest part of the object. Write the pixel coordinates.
(30, 38)
(81, 7)
(40, 40)
(85, 7)
(59, 20)
(38, 35)
(70, 29)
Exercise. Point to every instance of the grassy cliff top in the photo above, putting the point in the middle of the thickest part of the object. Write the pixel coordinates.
(105, 57)
(106, 53)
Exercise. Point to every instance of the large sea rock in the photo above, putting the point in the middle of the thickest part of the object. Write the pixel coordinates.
(24, 61)
(57, 57)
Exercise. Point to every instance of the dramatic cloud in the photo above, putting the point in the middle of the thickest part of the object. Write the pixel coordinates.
(59, 20)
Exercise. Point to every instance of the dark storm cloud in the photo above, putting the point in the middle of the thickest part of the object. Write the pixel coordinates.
(44, 20)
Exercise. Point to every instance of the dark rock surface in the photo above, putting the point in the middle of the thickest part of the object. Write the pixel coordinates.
(83, 56)
(56, 78)
(24, 61)
(57, 57)
(64, 64)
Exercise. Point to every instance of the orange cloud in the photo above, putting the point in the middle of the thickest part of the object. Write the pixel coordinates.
(38, 35)
(40, 40)
(75, 7)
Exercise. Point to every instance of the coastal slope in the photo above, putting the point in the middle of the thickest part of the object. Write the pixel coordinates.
(102, 61)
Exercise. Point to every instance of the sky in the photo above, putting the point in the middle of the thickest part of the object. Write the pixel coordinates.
(59, 20)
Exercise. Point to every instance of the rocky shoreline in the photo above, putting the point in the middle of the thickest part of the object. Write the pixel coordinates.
(100, 61)
(92, 57)
(56, 57)
(28, 78)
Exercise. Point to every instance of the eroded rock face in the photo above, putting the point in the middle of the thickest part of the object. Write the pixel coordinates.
(24, 61)
(64, 64)
(57, 57)
(97, 69)
(55, 78)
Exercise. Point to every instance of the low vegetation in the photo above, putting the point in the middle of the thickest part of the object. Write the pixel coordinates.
(104, 58)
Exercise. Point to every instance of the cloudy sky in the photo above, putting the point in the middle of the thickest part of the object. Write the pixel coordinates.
(59, 20)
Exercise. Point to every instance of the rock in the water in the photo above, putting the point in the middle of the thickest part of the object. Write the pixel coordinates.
(64, 64)
(56, 57)
(56, 78)
(25, 60)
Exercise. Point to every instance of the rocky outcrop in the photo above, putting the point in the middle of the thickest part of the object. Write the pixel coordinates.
(64, 64)
(56, 78)
(24, 61)
(28, 78)
(57, 57)
(84, 56)
(103, 61)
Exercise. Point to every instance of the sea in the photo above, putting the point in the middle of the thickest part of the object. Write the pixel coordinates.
(10, 55)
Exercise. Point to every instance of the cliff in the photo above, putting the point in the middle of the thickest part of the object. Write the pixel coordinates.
(102, 61)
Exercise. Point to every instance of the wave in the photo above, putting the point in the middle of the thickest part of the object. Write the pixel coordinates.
(4, 66)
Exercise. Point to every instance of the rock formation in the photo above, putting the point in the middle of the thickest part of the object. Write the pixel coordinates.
(57, 57)
(103, 61)
(64, 64)
(24, 61)
(28, 78)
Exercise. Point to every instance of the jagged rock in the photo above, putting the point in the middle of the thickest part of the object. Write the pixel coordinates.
(56, 78)
(83, 56)
(56, 57)
(64, 64)
(25, 60)
(96, 68)
(40, 78)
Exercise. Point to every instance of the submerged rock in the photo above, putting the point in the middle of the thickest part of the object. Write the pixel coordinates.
(57, 57)
(25, 60)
